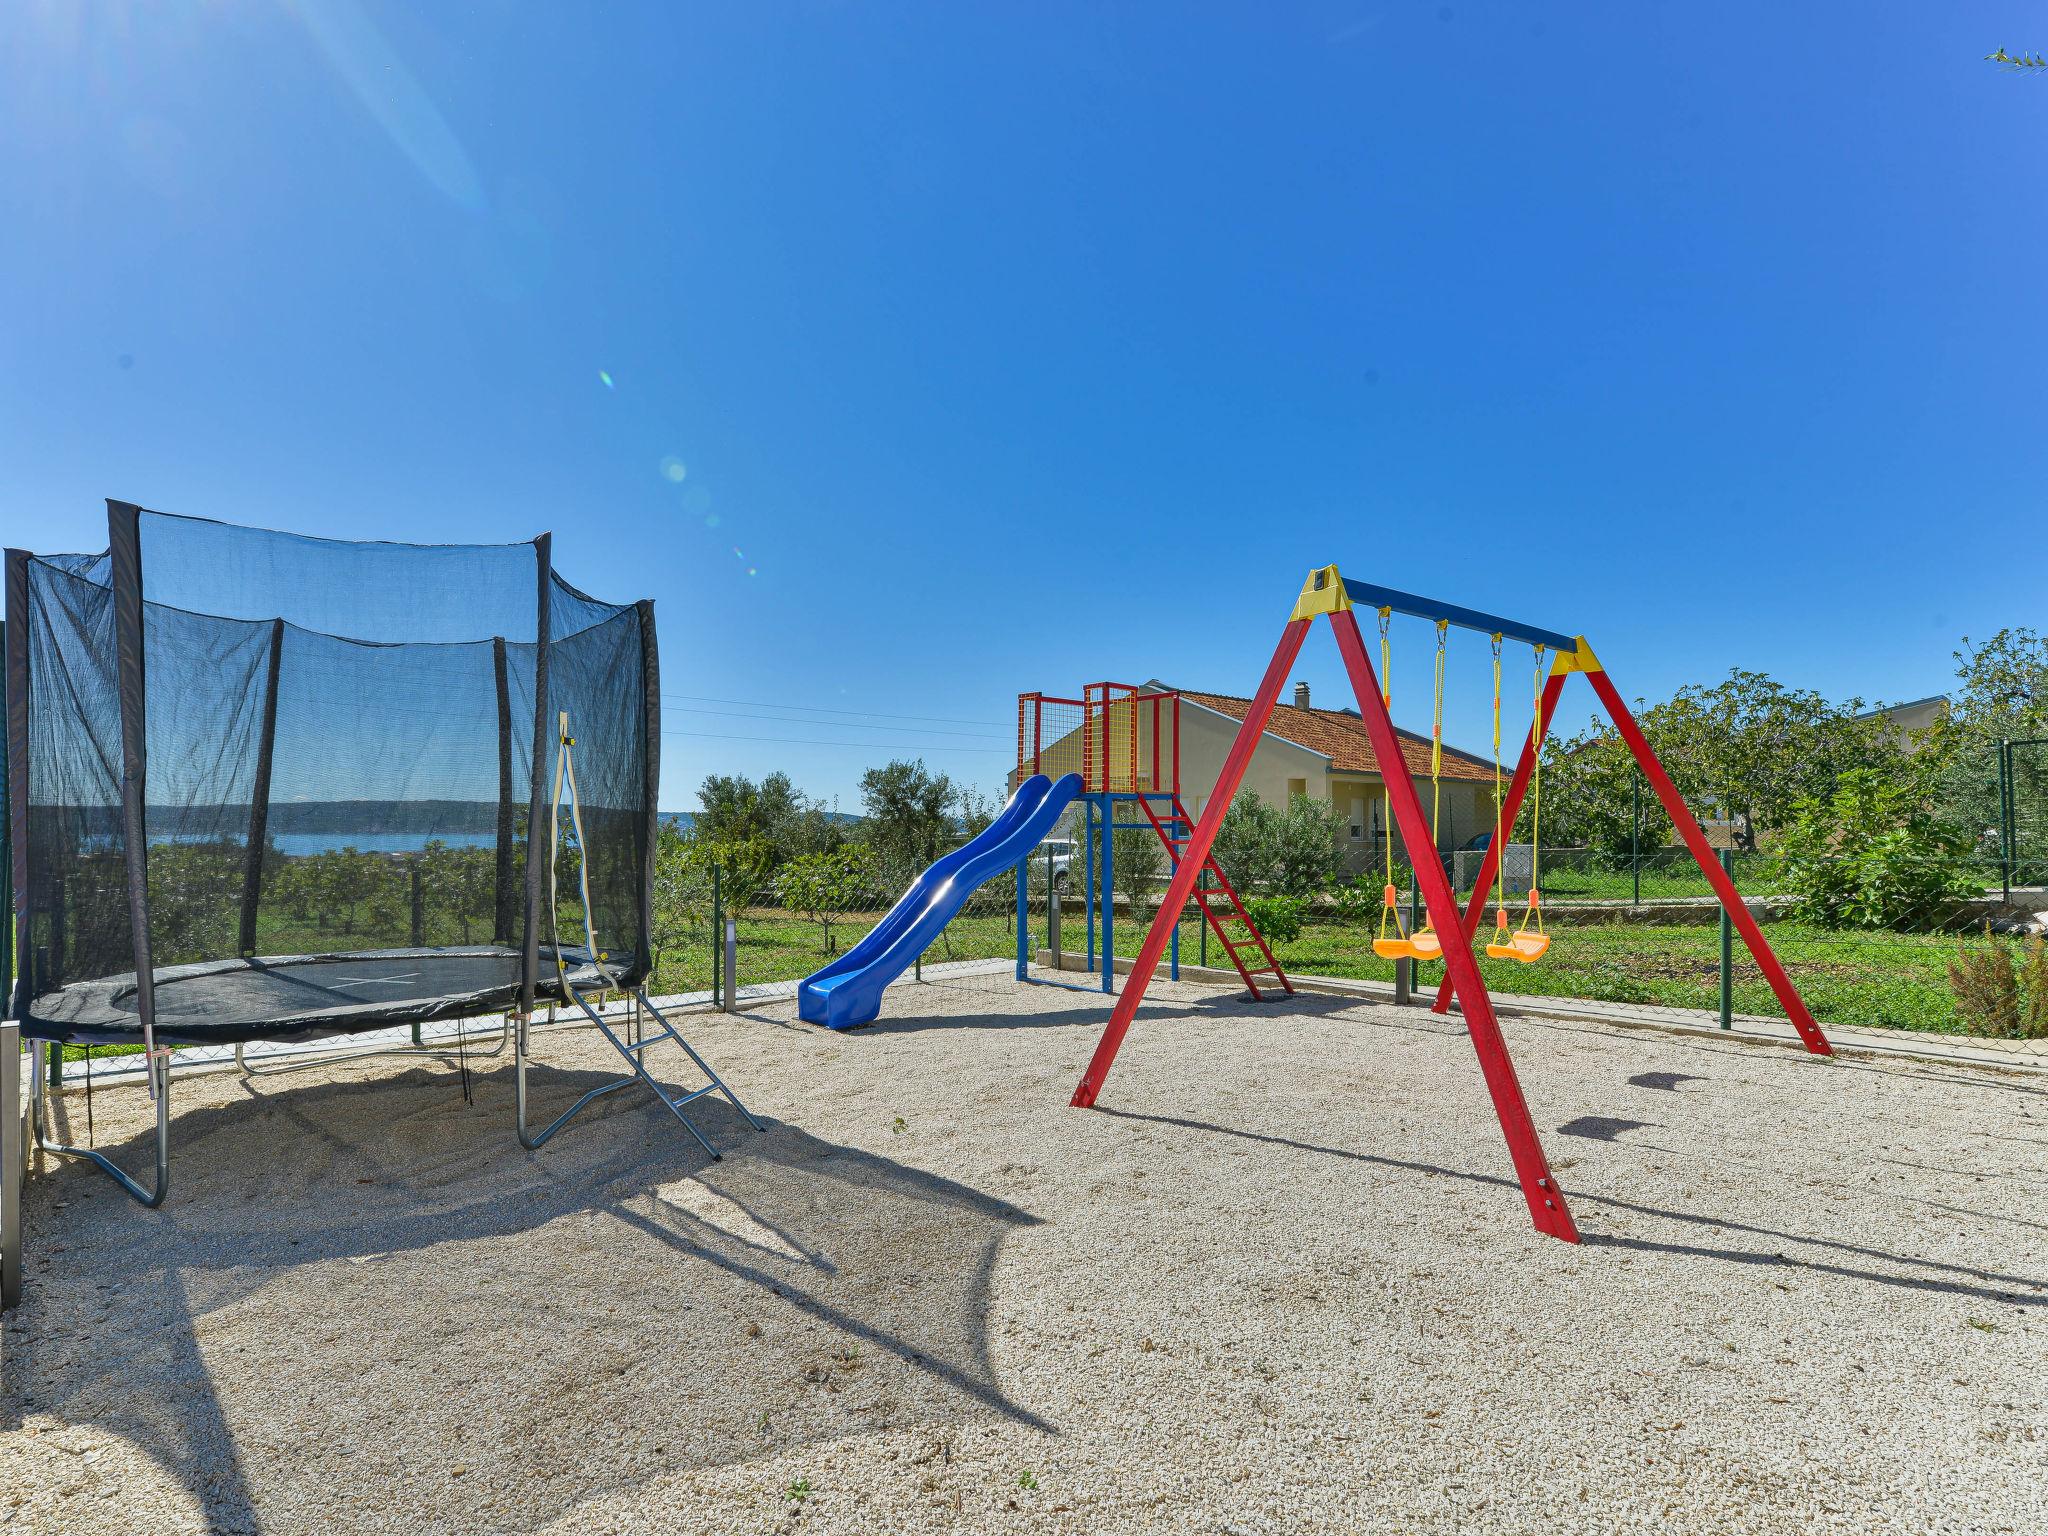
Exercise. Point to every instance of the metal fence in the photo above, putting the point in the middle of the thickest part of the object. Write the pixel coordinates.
(2023, 811)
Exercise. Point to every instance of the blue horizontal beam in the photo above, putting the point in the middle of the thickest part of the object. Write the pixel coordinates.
(1364, 594)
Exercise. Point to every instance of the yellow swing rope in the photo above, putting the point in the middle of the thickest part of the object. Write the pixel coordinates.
(1500, 852)
(1392, 947)
(1425, 942)
(1530, 940)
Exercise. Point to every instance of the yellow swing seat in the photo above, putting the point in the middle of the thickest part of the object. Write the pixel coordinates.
(1425, 945)
(1397, 946)
(1524, 945)
(1527, 943)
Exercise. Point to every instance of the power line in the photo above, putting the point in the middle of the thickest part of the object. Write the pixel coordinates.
(800, 741)
(820, 709)
(843, 724)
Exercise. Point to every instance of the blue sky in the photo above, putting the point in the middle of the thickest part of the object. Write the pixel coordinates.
(912, 355)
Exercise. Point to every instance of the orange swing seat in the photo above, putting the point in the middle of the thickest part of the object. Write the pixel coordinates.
(1397, 946)
(1525, 944)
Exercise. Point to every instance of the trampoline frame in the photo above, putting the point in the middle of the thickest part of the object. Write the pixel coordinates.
(157, 1066)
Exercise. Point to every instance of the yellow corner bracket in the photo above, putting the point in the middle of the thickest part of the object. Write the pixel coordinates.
(1580, 660)
(1323, 592)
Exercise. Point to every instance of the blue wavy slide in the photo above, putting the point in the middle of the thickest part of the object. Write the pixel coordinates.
(849, 990)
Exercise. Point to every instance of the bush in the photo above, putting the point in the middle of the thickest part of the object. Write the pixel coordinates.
(1870, 855)
(1293, 851)
(1140, 861)
(1308, 847)
(1996, 998)
(1279, 918)
(1360, 900)
(1247, 847)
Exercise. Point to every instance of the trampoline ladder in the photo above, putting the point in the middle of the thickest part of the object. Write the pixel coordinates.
(635, 1054)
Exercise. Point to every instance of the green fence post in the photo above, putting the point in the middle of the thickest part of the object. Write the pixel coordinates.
(2006, 826)
(1048, 907)
(1727, 950)
(717, 940)
(1635, 835)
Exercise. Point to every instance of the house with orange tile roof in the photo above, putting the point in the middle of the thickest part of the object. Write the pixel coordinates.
(1322, 753)
(1326, 755)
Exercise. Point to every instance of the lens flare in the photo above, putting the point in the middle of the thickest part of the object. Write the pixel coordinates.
(673, 470)
(605, 379)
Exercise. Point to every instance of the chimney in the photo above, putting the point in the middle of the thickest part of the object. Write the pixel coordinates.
(1301, 695)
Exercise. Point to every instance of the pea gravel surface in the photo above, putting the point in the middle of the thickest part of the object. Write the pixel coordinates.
(1282, 1281)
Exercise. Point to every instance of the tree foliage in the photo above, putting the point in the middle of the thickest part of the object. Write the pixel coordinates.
(1139, 863)
(1870, 853)
(1247, 847)
(825, 886)
(1292, 852)
(734, 809)
(2001, 693)
(908, 814)
(1746, 750)
(2023, 61)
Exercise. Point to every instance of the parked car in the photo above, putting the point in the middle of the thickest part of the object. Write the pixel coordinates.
(1062, 852)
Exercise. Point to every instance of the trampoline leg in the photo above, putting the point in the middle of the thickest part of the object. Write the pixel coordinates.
(634, 1052)
(159, 1070)
(533, 1141)
(13, 1164)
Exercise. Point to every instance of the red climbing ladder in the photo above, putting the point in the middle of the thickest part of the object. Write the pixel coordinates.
(1235, 913)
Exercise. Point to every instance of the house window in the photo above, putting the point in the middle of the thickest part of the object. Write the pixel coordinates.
(1357, 818)
(1296, 787)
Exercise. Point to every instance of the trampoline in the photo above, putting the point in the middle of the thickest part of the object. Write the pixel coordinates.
(307, 997)
(269, 787)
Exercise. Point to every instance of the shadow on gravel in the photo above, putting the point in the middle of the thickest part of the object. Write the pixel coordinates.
(1957, 1279)
(356, 1285)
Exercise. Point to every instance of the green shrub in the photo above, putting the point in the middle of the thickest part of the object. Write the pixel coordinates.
(1308, 847)
(1279, 918)
(1247, 845)
(1870, 855)
(1997, 998)
(1359, 900)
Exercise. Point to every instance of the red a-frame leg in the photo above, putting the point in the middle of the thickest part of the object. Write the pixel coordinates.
(1192, 860)
(1539, 1187)
(1511, 807)
(1717, 877)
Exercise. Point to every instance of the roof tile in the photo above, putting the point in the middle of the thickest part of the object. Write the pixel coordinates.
(1342, 738)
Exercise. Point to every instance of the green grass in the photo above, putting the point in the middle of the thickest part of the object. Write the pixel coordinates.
(1892, 980)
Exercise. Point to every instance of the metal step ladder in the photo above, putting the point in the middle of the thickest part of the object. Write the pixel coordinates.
(634, 1051)
(1251, 942)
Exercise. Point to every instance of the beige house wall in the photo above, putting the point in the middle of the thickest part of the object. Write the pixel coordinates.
(1279, 769)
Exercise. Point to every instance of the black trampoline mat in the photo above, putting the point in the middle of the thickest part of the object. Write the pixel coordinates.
(304, 996)
(269, 989)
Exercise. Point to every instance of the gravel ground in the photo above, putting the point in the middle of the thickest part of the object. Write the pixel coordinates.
(1284, 1282)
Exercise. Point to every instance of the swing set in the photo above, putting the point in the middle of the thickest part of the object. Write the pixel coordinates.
(1446, 933)
(1528, 943)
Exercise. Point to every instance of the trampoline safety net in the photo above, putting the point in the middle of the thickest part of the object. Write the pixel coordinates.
(265, 786)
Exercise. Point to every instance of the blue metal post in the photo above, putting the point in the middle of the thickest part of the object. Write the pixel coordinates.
(1109, 898)
(1023, 917)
